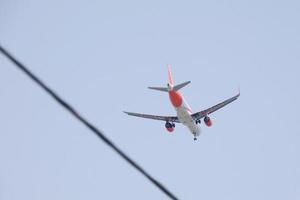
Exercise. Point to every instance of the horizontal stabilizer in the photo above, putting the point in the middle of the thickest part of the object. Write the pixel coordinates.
(163, 89)
(181, 85)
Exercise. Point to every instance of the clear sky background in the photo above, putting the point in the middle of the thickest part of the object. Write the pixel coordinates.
(101, 56)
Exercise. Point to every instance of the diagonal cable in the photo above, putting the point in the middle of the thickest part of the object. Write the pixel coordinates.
(69, 108)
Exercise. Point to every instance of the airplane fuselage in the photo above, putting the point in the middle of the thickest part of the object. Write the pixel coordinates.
(184, 112)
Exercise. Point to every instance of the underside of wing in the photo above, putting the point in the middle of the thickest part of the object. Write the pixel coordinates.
(155, 117)
(203, 113)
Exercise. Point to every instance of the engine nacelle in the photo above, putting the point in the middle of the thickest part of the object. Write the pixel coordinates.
(207, 121)
(169, 126)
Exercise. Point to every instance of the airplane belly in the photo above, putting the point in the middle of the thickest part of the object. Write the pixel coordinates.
(186, 119)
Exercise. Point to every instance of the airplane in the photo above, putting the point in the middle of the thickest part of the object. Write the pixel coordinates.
(184, 111)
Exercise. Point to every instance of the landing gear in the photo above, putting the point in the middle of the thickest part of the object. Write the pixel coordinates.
(195, 136)
(198, 121)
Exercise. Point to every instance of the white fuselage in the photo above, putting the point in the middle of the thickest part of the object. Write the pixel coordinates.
(184, 116)
(183, 110)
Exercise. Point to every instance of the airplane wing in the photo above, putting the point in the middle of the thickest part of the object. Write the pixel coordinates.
(203, 113)
(155, 117)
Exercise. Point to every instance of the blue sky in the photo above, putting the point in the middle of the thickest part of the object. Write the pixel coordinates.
(101, 56)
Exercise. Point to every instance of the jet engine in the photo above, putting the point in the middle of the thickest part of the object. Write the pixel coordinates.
(170, 126)
(207, 121)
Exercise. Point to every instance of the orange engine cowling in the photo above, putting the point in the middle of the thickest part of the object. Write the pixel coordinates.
(207, 121)
(170, 129)
(169, 126)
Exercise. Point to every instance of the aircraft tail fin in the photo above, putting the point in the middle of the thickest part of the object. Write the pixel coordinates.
(170, 84)
(170, 75)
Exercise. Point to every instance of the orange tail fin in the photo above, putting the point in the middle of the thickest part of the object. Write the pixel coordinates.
(170, 75)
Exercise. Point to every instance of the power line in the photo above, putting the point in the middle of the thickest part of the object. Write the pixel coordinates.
(69, 108)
